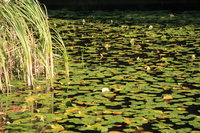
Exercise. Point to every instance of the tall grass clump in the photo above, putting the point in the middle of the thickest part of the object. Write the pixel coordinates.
(26, 51)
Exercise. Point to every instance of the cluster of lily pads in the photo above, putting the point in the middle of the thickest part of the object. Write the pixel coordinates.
(148, 60)
(129, 71)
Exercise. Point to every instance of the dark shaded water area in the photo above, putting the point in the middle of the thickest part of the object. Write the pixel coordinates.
(123, 4)
(148, 60)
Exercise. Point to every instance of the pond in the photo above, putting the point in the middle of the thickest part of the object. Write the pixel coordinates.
(148, 61)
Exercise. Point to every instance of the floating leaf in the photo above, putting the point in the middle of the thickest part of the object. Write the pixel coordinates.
(107, 112)
(57, 118)
(2, 128)
(72, 110)
(117, 112)
(129, 120)
(168, 97)
(198, 117)
(29, 99)
(159, 111)
(57, 127)
(114, 132)
(181, 109)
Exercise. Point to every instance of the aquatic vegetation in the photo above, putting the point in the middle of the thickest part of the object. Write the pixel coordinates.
(26, 60)
(148, 60)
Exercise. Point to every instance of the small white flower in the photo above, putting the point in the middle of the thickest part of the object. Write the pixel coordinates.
(171, 15)
(150, 27)
(148, 68)
(105, 89)
(132, 41)
(83, 21)
(111, 21)
(193, 56)
(42, 118)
